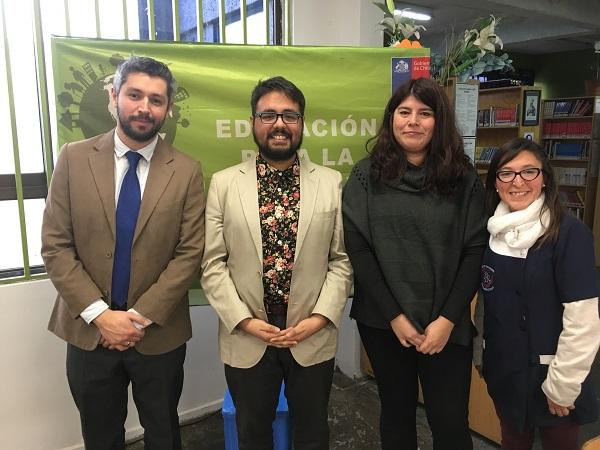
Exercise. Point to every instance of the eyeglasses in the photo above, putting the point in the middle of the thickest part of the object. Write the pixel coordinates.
(271, 117)
(507, 176)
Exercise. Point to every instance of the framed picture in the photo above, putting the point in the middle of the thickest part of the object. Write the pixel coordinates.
(531, 108)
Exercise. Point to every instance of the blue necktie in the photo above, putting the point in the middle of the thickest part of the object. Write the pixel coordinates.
(128, 209)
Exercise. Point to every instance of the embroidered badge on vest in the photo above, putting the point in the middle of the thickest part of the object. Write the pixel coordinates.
(487, 278)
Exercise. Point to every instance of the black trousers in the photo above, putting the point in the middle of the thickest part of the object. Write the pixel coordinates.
(255, 392)
(99, 380)
(445, 380)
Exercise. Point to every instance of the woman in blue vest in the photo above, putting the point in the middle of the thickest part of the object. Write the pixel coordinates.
(541, 324)
(414, 228)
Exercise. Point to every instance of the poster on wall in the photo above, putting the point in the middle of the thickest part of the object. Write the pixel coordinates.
(346, 91)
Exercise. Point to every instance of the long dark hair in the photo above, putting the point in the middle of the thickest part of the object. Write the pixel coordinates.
(446, 159)
(507, 153)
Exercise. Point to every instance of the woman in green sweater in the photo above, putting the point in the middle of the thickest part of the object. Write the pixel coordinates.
(414, 219)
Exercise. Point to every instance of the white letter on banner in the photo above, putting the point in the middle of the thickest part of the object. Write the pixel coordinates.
(345, 157)
(223, 129)
(333, 127)
(316, 131)
(348, 126)
(305, 130)
(248, 154)
(302, 153)
(242, 128)
(326, 160)
(365, 127)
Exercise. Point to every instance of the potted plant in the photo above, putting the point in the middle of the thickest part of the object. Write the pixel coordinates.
(398, 28)
(472, 55)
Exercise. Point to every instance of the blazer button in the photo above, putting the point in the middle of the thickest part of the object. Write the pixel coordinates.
(108, 254)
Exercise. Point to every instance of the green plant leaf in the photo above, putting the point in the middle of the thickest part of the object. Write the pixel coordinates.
(391, 6)
(384, 8)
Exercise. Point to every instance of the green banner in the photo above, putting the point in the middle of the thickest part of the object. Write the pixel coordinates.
(346, 90)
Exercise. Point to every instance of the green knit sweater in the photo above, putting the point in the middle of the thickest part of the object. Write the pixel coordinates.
(413, 251)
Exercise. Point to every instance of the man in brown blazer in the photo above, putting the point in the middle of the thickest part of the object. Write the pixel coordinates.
(277, 274)
(122, 240)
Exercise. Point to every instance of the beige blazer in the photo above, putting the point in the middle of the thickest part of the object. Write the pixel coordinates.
(78, 241)
(232, 264)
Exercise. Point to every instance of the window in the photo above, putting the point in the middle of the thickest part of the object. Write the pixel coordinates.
(27, 108)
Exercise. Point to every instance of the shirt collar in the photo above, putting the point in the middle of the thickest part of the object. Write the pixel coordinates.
(146, 152)
(270, 171)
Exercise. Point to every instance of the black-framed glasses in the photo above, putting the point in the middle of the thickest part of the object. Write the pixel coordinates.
(270, 117)
(507, 176)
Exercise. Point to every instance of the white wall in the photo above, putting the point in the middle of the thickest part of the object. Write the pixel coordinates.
(336, 22)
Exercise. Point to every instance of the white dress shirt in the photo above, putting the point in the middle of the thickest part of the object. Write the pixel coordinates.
(121, 167)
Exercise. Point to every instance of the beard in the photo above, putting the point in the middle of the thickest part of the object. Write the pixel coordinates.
(274, 153)
(139, 136)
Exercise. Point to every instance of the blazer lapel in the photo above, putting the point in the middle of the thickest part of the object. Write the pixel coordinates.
(159, 175)
(247, 188)
(309, 186)
(102, 165)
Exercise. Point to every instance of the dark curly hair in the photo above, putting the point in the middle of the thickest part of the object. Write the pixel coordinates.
(446, 160)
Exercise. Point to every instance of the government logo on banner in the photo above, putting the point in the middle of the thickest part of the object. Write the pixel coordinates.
(408, 68)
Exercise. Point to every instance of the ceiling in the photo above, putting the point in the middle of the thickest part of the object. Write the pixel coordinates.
(527, 26)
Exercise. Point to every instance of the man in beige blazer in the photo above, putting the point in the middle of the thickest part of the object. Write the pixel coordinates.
(277, 274)
(122, 277)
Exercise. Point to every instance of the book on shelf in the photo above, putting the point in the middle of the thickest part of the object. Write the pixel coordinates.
(568, 108)
(576, 211)
(498, 117)
(569, 150)
(570, 198)
(567, 129)
(484, 154)
(570, 176)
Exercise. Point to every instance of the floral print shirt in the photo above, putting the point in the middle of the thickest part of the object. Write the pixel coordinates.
(279, 209)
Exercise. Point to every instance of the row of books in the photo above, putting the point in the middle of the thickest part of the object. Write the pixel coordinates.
(566, 129)
(568, 149)
(571, 108)
(576, 211)
(572, 201)
(485, 154)
(570, 176)
(498, 117)
(571, 198)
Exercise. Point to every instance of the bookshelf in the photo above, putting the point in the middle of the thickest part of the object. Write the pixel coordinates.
(570, 135)
(500, 119)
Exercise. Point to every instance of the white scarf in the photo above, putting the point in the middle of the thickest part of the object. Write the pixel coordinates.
(513, 233)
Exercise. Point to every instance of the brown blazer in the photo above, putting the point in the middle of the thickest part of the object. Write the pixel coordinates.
(232, 265)
(78, 241)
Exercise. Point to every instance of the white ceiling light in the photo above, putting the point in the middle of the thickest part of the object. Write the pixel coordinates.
(413, 12)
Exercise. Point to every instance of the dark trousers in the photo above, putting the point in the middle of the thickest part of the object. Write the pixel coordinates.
(255, 392)
(561, 437)
(445, 380)
(99, 379)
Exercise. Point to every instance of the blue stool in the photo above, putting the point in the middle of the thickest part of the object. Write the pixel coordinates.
(282, 436)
